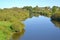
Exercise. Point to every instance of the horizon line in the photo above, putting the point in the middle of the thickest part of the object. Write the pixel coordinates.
(27, 5)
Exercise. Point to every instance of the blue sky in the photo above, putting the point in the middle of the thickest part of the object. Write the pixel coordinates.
(21, 3)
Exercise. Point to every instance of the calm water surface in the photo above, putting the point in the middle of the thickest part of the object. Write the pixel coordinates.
(41, 28)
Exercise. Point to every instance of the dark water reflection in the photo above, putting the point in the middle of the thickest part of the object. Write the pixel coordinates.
(39, 28)
(56, 23)
(17, 35)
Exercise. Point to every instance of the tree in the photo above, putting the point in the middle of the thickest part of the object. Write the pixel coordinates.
(36, 9)
(54, 9)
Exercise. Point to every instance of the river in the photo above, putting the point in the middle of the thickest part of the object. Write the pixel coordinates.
(40, 28)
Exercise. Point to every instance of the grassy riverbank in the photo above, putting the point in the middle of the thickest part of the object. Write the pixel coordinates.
(5, 31)
(11, 21)
(11, 18)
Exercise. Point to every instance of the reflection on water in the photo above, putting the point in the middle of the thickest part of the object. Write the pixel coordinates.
(33, 14)
(37, 15)
(40, 28)
(57, 24)
(17, 35)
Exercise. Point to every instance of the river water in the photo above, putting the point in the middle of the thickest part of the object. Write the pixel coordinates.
(40, 28)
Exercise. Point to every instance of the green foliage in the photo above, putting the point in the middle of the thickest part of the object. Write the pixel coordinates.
(29, 8)
(54, 9)
(11, 18)
(5, 31)
(10, 21)
(36, 9)
(56, 16)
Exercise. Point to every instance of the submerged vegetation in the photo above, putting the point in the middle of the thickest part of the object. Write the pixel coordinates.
(11, 18)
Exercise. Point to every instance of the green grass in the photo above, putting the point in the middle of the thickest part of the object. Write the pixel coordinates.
(5, 23)
(5, 31)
